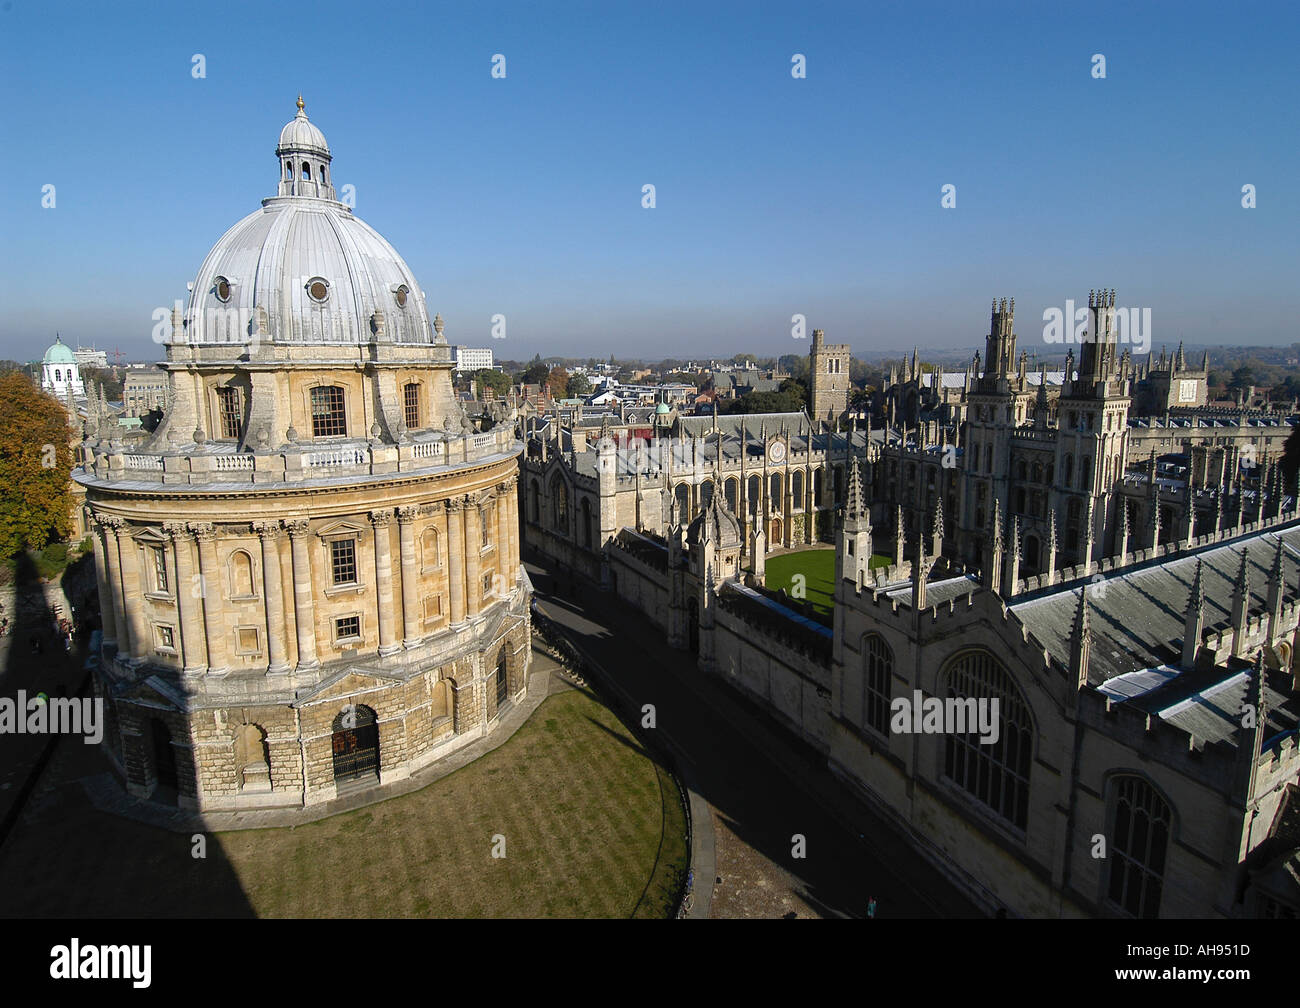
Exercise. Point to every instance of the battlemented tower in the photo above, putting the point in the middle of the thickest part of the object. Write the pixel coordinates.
(828, 365)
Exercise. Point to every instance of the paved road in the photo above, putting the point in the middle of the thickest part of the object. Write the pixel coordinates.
(763, 784)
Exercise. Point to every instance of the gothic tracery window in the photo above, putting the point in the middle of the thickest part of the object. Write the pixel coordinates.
(1139, 842)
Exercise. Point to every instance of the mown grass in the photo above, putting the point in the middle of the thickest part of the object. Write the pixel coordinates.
(817, 568)
(592, 827)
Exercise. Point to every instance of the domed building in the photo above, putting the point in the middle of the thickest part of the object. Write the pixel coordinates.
(309, 571)
(59, 372)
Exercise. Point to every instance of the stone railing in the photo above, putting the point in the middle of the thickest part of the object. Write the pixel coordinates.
(294, 463)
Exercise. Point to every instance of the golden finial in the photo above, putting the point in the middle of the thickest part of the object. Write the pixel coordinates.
(300, 106)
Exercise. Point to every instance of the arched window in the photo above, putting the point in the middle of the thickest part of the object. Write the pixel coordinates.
(706, 493)
(585, 522)
(1140, 826)
(733, 495)
(877, 689)
(501, 684)
(411, 405)
(755, 494)
(306, 172)
(774, 491)
(429, 548)
(328, 418)
(796, 487)
(58, 375)
(683, 504)
(534, 503)
(995, 774)
(1085, 473)
(559, 505)
(242, 584)
(817, 487)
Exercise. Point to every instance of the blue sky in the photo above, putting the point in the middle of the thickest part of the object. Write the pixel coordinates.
(775, 196)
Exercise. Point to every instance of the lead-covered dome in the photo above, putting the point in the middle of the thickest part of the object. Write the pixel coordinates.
(304, 268)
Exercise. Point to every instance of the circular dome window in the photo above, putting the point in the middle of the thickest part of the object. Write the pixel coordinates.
(400, 294)
(318, 288)
(223, 289)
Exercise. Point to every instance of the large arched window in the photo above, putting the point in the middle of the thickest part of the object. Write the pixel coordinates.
(429, 548)
(996, 774)
(733, 495)
(1140, 826)
(327, 413)
(774, 491)
(706, 493)
(683, 504)
(877, 669)
(755, 494)
(559, 504)
(242, 584)
(796, 488)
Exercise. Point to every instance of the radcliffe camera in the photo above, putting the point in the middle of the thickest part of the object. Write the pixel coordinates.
(582, 461)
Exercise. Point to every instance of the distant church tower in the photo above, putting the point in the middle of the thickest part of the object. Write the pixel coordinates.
(828, 365)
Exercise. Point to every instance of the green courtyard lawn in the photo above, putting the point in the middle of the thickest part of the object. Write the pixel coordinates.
(593, 827)
(817, 567)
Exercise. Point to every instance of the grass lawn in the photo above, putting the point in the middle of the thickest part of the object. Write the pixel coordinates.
(592, 826)
(817, 567)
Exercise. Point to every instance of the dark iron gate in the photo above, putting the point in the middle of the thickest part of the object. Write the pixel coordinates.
(356, 745)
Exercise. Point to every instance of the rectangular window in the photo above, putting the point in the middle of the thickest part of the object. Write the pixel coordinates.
(487, 584)
(484, 517)
(228, 409)
(411, 402)
(166, 638)
(246, 641)
(347, 628)
(159, 568)
(327, 417)
(343, 561)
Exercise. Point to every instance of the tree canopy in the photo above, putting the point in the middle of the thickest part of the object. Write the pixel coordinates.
(35, 466)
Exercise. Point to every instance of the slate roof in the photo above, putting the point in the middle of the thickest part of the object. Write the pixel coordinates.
(1137, 617)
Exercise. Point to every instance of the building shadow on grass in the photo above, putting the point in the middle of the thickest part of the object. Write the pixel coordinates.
(60, 856)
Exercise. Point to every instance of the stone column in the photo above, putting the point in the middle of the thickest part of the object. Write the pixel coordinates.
(502, 534)
(210, 589)
(193, 647)
(456, 560)
(104, 541)
(473, 557)
(388, 642)
(410, 577)
(303, 602)
(273, 587)
(512, 526)
(141, 642)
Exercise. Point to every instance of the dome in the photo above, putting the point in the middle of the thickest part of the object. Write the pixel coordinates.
(662, 409)
(299, 135)
(304, 268)
(715, 523)
(58, 353)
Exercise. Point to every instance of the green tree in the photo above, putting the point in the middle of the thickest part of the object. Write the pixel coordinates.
(35, 466)
(490, 378)
(536, 373)
(579, 385)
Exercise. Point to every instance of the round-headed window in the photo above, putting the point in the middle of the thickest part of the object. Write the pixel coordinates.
(401, 294)
(222, 289)
(318, 288)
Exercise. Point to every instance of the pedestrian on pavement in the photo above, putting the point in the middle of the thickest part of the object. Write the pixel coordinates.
(871, 907)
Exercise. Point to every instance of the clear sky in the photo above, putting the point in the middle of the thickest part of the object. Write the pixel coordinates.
(775, 195)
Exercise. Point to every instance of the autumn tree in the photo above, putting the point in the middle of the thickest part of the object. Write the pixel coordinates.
(35, 466)
(558, 382)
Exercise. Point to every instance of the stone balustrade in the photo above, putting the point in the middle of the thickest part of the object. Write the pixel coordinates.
(298, 463)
